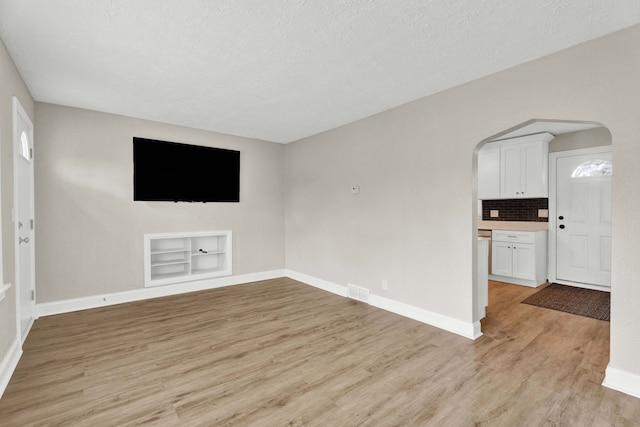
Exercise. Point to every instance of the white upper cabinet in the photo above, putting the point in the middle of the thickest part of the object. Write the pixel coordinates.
(522, 171)
(489, 173)
(524, 168)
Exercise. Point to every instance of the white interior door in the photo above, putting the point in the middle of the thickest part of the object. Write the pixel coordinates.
(582, 223)
(24, 218)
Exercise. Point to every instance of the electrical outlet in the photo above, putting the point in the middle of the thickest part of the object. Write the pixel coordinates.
(494, 214)
(385, 285)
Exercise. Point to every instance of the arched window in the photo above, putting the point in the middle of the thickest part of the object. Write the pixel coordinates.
(593, 168)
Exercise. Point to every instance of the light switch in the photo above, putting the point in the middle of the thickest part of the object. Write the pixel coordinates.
(494, 214)
(543, 213)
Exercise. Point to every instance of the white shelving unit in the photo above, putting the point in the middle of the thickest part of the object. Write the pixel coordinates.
(181, 257)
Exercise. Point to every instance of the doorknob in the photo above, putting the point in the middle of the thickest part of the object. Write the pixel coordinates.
(21, 240)
(561, 226)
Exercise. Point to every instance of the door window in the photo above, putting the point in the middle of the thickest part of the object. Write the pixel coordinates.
(593, 168)
(24, 146)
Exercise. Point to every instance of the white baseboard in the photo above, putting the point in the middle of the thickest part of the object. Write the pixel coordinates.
(516, 281)
(467, 330)
(615, 379)
(317, 283)
(9, 363)
(623, 381)
(76, 304)
(582, 285)
(477, 330)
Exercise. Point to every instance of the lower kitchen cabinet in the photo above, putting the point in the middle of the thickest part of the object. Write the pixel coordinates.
(519, 257)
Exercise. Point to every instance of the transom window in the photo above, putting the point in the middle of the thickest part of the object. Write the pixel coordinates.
(593, 168)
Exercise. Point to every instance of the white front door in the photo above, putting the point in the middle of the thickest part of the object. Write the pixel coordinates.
(582, 217)
(24, 216)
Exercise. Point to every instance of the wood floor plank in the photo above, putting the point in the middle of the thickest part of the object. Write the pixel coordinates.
(280, 353)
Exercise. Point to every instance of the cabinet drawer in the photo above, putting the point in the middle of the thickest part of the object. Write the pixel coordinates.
(513, 236)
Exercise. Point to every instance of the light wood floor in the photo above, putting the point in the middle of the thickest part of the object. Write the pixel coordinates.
(280, 353)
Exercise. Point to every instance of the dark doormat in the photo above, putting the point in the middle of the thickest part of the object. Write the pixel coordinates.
(570, 299)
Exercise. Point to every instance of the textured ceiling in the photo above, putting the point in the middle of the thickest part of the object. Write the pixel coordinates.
(281, 70)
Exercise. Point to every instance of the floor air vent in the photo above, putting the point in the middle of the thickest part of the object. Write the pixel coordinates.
(356, 292)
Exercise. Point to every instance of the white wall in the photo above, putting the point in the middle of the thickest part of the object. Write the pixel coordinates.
(89, 233)
(582, 139)
(412, 223)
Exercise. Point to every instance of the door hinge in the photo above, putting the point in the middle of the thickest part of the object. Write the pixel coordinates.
(33, 295)
(32, 224)
(31, 153)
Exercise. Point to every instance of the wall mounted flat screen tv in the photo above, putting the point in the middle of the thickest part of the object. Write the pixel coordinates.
(173, 172)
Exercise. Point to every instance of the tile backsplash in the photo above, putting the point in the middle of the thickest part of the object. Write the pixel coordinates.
(515, 209)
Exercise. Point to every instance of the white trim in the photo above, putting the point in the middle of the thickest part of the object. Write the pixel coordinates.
(465, 329)
(553, 214)
(516, 280)
(4, 288)
(622, 381)
(477, 330)
(535, 137)
(27, 329)
(9, 364)
(67, 306)
(583, 285)
(317, 283)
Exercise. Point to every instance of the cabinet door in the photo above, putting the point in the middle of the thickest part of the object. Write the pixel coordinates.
(501, 258)
(489, 173)
(535, 170)
(524, 261)
(510, 171)
(524, 170)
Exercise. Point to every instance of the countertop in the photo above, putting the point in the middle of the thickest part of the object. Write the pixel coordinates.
(513, 225)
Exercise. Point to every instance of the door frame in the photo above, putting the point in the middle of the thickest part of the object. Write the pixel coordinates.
(19, 111)
(553, 215)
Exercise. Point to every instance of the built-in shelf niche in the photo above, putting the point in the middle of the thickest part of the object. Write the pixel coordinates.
(181, 257)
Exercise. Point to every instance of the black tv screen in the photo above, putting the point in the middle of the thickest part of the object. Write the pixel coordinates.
(168, 171)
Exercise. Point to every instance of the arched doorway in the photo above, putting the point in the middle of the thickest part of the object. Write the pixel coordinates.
(568, 136)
